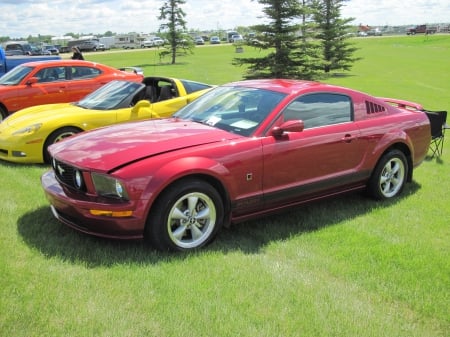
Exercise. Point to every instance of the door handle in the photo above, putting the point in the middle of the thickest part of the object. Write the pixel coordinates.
(348, 138)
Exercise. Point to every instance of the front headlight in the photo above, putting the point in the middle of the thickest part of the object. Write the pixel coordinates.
(28, 129)
(110, 187)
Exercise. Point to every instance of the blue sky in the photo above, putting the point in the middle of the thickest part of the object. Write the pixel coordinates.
(21, 18)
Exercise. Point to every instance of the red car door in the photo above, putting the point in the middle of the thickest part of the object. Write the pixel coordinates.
(84, 80)
(326, 154)
(50, 87)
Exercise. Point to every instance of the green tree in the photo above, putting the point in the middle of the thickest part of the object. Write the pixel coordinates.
(309, 53)
(333, 34)
(176, 26)
(291, 52)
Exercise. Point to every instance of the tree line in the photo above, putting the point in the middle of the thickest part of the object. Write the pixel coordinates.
(305, 39)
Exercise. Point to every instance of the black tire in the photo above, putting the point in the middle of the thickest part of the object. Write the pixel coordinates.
(57, 136)
(389, 177)
(3, 114)
(185, 217)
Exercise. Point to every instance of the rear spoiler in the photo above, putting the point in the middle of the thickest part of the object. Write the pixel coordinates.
(402, 104)
(135, 70)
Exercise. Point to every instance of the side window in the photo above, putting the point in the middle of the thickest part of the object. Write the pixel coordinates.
(165, 90)
(194, 86)
(52, 74)
(320, 109)
(84, 72)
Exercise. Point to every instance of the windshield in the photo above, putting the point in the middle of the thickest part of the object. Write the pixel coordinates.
(15, 76)
(114, 95)
(237, 109)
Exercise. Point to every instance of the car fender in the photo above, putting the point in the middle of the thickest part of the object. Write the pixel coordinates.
(181, 168)
(392, 138)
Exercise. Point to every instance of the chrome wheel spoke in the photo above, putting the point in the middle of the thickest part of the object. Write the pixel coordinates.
(396, 181)
(178, 214)
(196, 233)
(203, 214)
(192, 203)
(386, 187)
(180, 232)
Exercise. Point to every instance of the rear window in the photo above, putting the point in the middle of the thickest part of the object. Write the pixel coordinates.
(194, 86)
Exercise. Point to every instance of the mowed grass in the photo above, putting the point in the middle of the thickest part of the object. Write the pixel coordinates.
(346, 266)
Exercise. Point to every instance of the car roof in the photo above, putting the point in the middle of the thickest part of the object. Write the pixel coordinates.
(286, 86)
(63, 63)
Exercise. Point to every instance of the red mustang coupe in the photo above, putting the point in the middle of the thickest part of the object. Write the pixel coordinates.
(58, 81)
(241, 150)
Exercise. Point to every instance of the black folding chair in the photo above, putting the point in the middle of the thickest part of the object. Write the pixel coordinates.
(438, 124)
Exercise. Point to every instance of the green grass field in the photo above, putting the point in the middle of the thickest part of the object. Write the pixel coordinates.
(347, 266)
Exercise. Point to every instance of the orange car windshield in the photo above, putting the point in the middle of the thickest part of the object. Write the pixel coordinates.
(15, 76)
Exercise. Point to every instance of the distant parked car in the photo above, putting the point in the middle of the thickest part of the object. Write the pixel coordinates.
(152, 42)
(52, 49)
(240, 151)
(199, 40)
(237, 38)
(146, 44)
(374, 32)
(214, 40)
(157, 41)
(57, 81)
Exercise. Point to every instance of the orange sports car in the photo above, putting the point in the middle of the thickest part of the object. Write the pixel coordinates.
(58, 81)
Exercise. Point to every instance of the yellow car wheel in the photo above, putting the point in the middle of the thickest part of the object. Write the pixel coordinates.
(55, 137)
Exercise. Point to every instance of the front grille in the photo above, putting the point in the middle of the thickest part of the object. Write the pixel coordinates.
(66, 175)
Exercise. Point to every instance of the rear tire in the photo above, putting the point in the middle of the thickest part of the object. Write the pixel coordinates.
(186, 216)
(389, 177)
(55, 137)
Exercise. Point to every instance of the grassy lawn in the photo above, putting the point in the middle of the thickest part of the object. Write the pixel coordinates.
(347, 266)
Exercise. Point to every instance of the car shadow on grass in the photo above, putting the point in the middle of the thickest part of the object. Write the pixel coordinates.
(40, 230)
(252, 236)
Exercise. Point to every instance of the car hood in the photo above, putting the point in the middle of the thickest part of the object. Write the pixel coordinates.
(107, 148)
(40, 114)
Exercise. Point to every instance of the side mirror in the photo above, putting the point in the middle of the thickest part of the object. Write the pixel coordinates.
(32, 80)
(288, 126)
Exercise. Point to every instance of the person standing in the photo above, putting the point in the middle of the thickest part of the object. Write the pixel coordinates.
(77, 55)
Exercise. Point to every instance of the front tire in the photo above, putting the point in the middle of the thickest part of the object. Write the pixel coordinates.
(186, 216)
(389, 176)
(57, 136)
(3, 114)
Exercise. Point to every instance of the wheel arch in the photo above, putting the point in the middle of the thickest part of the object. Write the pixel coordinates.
(399, 140)
(405, 149)
(3, 111)
(208, 178)
(53, 133)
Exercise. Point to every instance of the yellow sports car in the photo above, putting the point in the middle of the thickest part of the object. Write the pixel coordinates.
(26, 134)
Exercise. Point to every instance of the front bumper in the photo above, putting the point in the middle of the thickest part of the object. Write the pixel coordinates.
(76, 212)
(20, 152)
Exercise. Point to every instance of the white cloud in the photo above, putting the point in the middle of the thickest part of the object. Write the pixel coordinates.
(21, 18)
